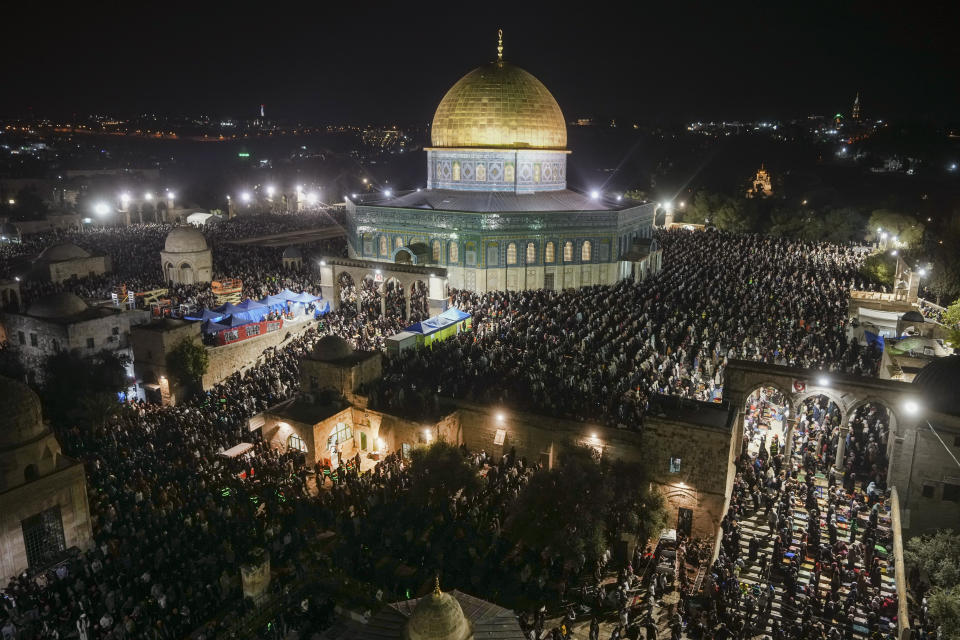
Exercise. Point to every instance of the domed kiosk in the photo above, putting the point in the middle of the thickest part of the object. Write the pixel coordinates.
(292, 258)
(58, 306)
(186, 258)
(438, 615)
(497, 213)
(64, 261)
(939, 382)
(43, 497)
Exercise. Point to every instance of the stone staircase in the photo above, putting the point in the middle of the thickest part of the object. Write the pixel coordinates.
(755, 525)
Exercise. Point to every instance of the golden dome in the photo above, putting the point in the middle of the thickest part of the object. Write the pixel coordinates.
(499, 105)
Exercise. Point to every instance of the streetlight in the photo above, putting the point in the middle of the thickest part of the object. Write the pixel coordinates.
(313, 197)
(101, 209)
(246, 197)
(124, 199)
(923, 272)
(387, 192)
(270, 191)
(911, 407)
(823, 381)
(148, 196)
(594, 194)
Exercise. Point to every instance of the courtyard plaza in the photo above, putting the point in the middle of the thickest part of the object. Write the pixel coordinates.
(167, 525)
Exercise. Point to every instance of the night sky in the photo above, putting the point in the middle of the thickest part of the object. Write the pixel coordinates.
(392, 63)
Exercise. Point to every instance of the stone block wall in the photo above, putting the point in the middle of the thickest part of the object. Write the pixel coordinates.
(66, 489)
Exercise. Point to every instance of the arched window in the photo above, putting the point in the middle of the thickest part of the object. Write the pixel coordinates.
(568, 251)
(397, 242)
(509, 173)
(384, 248)
(585, 251)
(548, 256)
(531, 253)
(512, 253)
(456, 171)
(296, 443)
(435, 246)
(454, 252)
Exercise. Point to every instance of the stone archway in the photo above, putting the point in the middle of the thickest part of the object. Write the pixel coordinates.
(370, 299)
(395, 299)
(419, 304)
(403, 255)
(347, 294)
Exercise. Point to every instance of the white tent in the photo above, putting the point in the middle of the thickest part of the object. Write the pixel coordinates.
(199, 218)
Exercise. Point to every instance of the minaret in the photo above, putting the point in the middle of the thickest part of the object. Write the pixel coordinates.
(500, 47)
(855, 115)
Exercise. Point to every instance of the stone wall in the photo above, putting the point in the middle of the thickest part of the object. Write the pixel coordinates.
(66, 489)
(78, 268)
(230, 358)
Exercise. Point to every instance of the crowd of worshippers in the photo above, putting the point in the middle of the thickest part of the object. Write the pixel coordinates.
(134, 253)
(816, 551)
(599, 353)
(173, 519)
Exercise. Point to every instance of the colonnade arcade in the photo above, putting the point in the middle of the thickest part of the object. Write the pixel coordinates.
(798, 389)
(382, 287)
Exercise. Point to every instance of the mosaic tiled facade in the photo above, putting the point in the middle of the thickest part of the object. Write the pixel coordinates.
(496, 170)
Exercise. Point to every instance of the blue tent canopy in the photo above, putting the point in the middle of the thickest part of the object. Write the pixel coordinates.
(276, 303)
(207, 314)
(323, 308)
(214, 327)
(252, 310)
(286, 294)
(305, 298)
(236, 320)
(434, 324)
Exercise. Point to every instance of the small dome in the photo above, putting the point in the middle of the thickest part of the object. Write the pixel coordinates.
(499, 105)
(61, 252)
(438, 616)
(21, 420)
(292, 253)
(185, 240)
(57, 305)
(331, 348)
(939, 382)
(911, 316)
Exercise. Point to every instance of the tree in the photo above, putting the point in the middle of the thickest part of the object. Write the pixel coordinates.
(576, 510)
(79, 388)
(880, 268)
(187, 362)
(439, 472)
(905, 228)
(937, 557)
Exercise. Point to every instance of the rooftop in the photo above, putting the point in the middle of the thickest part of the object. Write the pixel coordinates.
(496, 201)
(305, 412)
(704, 414)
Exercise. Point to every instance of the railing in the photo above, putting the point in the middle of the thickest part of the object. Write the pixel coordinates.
(900, 574)
(874, 295)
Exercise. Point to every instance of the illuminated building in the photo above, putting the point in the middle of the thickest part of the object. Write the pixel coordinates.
(497, 213)
(855, 114)
(761, 185)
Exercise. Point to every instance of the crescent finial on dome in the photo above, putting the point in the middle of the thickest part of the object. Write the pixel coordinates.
(499, 45)
(436, 585)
